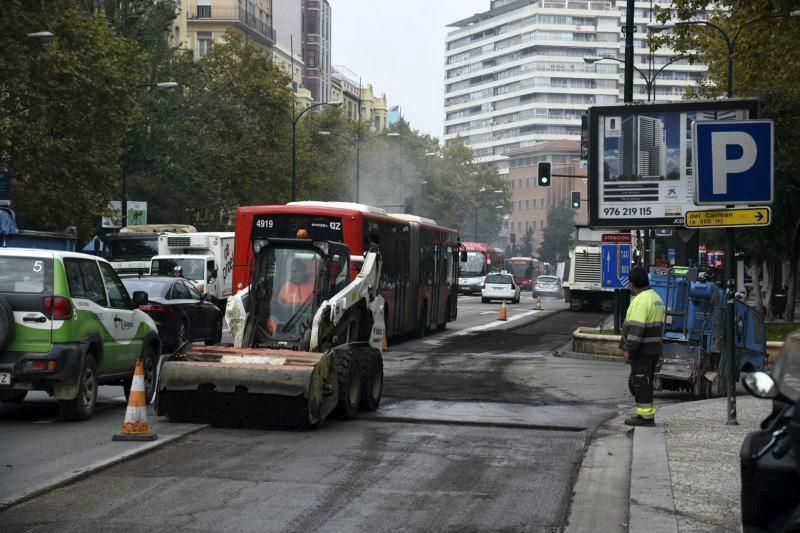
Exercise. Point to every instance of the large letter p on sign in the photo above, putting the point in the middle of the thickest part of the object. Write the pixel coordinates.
(721, 165)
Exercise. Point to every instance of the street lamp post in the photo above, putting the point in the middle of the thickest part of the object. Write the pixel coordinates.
(649, 80)
(730, 239)
(359, 142)
(477, 204)
(295, 118)
(124, 201)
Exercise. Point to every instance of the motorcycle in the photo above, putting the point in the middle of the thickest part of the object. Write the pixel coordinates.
(770, 457)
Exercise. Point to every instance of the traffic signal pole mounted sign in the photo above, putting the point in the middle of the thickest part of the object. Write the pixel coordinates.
(733, 162)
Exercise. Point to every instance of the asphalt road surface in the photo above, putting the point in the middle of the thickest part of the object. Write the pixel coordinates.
(481, 429)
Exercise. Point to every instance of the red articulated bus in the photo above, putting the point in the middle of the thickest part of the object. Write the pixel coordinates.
(526, 269)
(481, 260)
(420, 259)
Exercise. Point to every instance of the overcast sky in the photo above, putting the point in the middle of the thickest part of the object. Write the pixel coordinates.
(398, 46)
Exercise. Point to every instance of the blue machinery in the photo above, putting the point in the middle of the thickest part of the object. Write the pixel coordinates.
(694, 334)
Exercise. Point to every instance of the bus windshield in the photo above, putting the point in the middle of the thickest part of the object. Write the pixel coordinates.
(473, 266)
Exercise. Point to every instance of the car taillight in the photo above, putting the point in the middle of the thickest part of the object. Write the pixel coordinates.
(57, 307)
(153, 308)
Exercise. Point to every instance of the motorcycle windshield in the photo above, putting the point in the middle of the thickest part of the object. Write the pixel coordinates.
(787, 370)
(286, 289)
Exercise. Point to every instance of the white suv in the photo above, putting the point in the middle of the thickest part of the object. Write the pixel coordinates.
(500, 286)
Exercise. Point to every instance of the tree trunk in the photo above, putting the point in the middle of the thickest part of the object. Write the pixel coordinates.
(755, 259)
(770, 291)
(792, 281)
(791, 285)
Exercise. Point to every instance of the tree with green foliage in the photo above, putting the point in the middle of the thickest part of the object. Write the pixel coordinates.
(464, 194)
(525, 247)
(557, 235)
(225, 142)
(765, 65)
(65, 109)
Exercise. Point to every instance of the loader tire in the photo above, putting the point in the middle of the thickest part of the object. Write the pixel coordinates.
(371, 379)
(348, 375)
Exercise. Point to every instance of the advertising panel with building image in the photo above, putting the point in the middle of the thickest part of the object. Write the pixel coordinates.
(640, 164)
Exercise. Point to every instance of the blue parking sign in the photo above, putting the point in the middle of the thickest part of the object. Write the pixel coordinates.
(733, 162)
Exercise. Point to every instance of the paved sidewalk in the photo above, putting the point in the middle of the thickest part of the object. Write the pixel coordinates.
(685, 471)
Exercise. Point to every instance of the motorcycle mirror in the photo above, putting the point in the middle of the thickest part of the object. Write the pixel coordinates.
(760, 384)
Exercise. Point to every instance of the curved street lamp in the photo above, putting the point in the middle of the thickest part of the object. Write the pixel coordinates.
(124, 201)
(295, 118)
(44, 36)
(649, 80)
(729, 41)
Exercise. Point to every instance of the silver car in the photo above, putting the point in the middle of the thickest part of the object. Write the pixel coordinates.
(548, 286)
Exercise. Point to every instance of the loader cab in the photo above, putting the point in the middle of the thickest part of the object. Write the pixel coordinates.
(291, 279)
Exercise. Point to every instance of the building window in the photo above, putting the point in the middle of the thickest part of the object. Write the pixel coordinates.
(312, 27)
(528, 182)
(312, 60)
(541, 202)
(203, 43)
(541, 224)
(527, 204)
(204, 9)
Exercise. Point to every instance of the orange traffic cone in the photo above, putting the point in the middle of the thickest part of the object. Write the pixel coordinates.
(503, 312)
(135, 426)
(537, 305)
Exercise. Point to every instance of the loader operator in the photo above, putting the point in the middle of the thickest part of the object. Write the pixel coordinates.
(299, 287)
(641, 344)
(294, 296)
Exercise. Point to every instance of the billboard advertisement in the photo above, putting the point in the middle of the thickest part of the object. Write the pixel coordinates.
(640, 164)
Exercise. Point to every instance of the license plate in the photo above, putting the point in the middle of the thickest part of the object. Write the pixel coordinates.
(498, 288)
(5, 378)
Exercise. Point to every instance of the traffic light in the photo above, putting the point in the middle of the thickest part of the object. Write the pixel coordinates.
(544, 174)
(576, 199)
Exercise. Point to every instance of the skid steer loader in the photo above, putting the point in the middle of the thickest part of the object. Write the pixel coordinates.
(308, 334)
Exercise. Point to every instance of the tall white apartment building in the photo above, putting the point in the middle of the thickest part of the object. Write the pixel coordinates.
(516, 76)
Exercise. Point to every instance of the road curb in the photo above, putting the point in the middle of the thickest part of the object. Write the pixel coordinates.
(569, 354)
(77, 475)
(652, 505)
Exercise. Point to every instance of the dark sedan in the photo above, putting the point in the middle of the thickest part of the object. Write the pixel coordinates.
(179, 310)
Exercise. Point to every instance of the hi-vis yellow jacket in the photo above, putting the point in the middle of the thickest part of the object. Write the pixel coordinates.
(644, 325)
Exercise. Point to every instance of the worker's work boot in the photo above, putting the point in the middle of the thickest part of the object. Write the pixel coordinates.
(637, 420)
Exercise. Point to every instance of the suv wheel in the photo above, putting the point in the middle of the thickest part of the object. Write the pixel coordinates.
(82, 406)
(150, 363)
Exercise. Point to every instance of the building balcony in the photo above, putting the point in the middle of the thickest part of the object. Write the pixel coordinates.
(256, 28)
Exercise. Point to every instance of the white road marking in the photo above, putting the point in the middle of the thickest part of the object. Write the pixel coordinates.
(494, 324)
(488, 312)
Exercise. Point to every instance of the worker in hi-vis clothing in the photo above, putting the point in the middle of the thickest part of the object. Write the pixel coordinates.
(641, 343)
